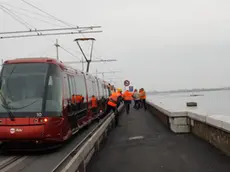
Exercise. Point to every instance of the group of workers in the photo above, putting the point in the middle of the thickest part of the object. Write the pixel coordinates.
(117, 96)
(113, 102)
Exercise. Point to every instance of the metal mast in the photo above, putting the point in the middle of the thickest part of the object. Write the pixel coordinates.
(57, 46)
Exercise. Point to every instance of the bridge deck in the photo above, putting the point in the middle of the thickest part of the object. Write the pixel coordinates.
(159, 150)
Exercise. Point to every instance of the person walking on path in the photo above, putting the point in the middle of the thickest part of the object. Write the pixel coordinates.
(112, 105)
(143, 98)
(127, 96)
(119, 92)
(136, 97)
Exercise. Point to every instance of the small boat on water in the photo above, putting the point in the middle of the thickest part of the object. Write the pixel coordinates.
(191, 104)
(194, 95)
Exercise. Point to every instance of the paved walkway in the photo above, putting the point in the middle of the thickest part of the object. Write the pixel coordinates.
(159, 151)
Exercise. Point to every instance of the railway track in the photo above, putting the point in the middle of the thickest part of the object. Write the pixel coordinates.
(67, 158)
(56, 161)
(78, 158)
(34, 162)
(10, 162)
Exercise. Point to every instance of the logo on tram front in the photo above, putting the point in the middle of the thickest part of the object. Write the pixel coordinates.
(12, 130)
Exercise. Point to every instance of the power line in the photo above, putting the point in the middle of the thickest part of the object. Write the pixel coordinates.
(30, 4)
(44, 21)
(109, 60)
(48, 30)
(32, 12)
(69, 52)
(48, 34)
(102, 73)
(107, 72)
(46, 13)
(4, 9)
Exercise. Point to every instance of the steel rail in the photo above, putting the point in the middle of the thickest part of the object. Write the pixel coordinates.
(79, 145)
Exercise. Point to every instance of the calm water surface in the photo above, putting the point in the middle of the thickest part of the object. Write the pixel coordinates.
(209, 103)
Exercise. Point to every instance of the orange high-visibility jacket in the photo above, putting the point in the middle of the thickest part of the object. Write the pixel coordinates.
(113, 99)
(127, 95)
(94, 102)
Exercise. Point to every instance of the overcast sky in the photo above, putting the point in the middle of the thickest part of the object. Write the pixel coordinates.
(159, 44)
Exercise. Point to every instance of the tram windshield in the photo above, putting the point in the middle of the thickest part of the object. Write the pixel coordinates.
(30, 89)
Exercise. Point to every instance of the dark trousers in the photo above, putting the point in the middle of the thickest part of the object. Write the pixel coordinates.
(137, 104)
(94, 111)
(144, 104)
(127, 105)
(115, 111)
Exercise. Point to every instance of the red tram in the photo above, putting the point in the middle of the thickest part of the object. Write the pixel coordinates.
(45, 101)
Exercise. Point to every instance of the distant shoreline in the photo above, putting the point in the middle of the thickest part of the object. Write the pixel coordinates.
(191, 90)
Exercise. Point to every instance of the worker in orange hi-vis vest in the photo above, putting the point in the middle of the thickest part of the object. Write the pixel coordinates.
(78, 100)
(112, 105)
(128, 97)
(119, 92)
(94, 106)
(143, 98)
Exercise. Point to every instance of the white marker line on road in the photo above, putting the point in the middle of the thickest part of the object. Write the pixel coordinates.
(136, 138)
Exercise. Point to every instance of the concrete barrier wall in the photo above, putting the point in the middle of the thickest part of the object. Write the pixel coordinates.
(91, 146)
(158, 113)
(214, 129)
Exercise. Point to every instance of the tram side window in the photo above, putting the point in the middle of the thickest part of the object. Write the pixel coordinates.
(109, 91)
(66, 87)
(54, 90)
(105, 91)
(80, 86)
(96, 88)
(95, 91)
(71, 91)
(69, 87)
(74, 89)
(102, 90)
(90, 87)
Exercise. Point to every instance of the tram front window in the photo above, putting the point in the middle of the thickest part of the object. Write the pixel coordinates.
(23, 88)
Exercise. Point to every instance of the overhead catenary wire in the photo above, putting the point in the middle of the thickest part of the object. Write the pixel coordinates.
(47, 14)
(14, 13)
(30, 4)
(31, 12)
(18, 19)
(80, 29)
(33, 17)
(43, 52)
(69, 52)
(48, 34)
